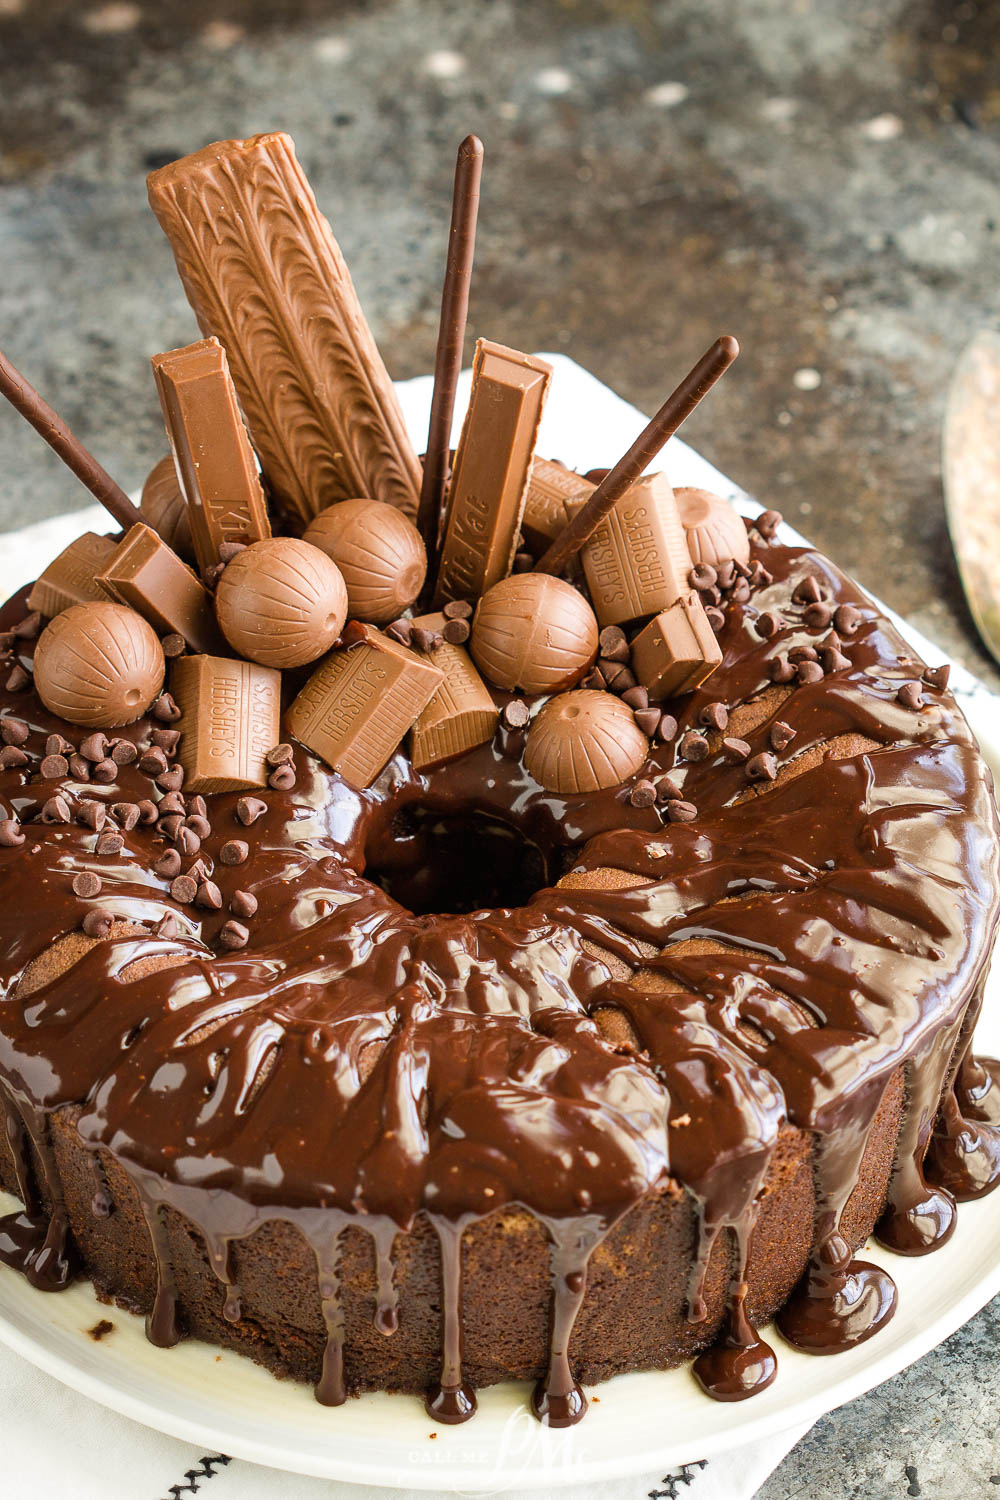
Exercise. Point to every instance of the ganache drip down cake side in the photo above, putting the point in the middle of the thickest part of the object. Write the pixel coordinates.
(467, 921)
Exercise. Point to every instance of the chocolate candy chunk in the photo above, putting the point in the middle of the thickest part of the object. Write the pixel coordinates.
(233, 935)
(234, 852)
(243, 904)
(489, 482)
(461, 713)
(71, 578)
(10, 833)
(145, 574)
(677, 651)
(249, 809)
(263, 272)
(98, 922)
(15, 731)
(216, 468)
(637, 563)
(231, 714)
(555, 494)
(12, 758)
(355, 709)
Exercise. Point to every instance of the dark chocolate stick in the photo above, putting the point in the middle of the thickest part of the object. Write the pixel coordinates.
(451, 338)
(677, 407)
(25, 399)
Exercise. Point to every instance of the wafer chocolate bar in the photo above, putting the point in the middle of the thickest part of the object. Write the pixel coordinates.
(357, 706)
(637, 561)
(677, 651)
(555, 494)
(230, 719)
(216, 468)
(263, 273)
(461, 713)
(71, 578)
(489, 482)
(147, 575)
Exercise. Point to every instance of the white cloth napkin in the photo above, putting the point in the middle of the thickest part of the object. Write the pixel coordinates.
(58, 1443)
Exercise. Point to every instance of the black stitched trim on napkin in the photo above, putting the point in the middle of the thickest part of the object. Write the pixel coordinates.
(192, 1481)
(686, 1474)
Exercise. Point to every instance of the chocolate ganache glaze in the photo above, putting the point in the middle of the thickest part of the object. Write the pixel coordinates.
(664, 999)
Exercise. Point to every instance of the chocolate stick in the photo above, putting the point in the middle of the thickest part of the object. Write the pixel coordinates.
(25, 399)
(677, 407)
(451, 338)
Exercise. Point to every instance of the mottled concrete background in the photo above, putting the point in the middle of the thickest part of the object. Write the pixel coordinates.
(817, 176)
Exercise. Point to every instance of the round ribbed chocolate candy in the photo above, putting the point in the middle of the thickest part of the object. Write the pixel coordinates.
(583, 742)
(380, 553)
(100, 665)
(715, 533)
(164, 509)
(534, 632)
(281, 602)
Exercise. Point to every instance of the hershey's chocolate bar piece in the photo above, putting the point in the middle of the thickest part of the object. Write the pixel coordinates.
(263, 272)
(555, 494)
(637, 561)
(230, 719)
(357, 706)
(71, 577)
(461, 713)
(489, 482)
(677, 651)
(215, 465)
(147, 575)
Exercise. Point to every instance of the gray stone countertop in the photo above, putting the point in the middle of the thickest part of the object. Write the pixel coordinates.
(817, 176)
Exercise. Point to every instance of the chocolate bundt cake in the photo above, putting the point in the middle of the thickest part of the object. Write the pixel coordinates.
(563, 996)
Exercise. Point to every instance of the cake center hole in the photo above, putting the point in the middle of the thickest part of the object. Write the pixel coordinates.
(450, 864)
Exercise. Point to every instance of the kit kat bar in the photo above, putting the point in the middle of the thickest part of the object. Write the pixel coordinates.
(71, 578)
(216, 468)
(555, 494)
(149, 577)
(263, 272)
(358, 705)
(489, 482)
(230, 719)
(677, 651)
(637, 561)
(461, 713)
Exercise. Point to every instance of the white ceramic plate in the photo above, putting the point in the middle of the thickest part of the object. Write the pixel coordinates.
(637, 1423)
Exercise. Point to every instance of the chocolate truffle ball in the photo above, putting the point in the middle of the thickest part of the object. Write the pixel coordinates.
(99, 665)
(380, 553)
(715, 533)
(281, 602)
(534, 632)
(584, 741)
(164, 509)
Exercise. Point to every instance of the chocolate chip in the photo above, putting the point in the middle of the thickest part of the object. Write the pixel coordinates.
(767, 523)
(172, 779)
(456, 632)
(199, 871)
(169, 864)
(832, 660)
(94, 746)
(515, 714)
(282, 778)
(30, 627)
(667, 790)
(780, 670)
(714, 716)
(937, 677)
(846, 619)
(803, 653)
(614, 644)
(153, 762)
(702, 577)
(209, 896)
(233, 935)
(780, 735)
(740, 591)
(148, 811)
(636, 697)
(693, 746)
(249, 809)
(184, 889)
(166, 740)
(643, 794)
(97, 923)
(92, 814)
(594, 682)
(818, 616)
(198, 825)
(422, 639)
(725, 573)
(623, 681)
(758, 575)
(123, 752)
(243, 904)
(715, 618)
(762, 767)
(125, 814)
(174, 645)
(523, 562)
(79, 767)
(667, 729)
(110, 842)
(12, 758)
(400, 630)
(166, 927)
(735, 750)
(86, 884)
(808, 591)
(173, 802)
(188, 841)
(681, 812)
(197, 806)
(234, 852)
(13, 731)
(18, 679)
(648, 720)
(10, 833)
(910, 696)
(458, 609)
(279, 754)
(767, 624)
(104, 773)
(166, 710)
(809, 671)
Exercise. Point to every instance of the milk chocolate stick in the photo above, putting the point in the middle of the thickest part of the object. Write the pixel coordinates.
(492, 467)
(230, 719)
(146, 575)
(451, 337)
(265, 275)
(216, 469)
(25, 399)
(461, 713)
(71, 578)
(676, 409)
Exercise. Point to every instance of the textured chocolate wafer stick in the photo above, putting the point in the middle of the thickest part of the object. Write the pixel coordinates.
(216, 469)
(451, 337)
(24, 398)
(676, 409)
(264, 274)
